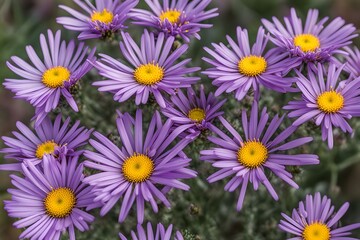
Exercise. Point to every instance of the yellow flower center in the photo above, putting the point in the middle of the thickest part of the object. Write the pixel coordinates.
(252, 65)
(197, 114)
(307, 42)
(330, 101)
(104, 16)
(316, 231)
(252, 154)
(149, 74)
(60, 202)
(47, 147)
(137, 168)
(171, 15)
(55, 77)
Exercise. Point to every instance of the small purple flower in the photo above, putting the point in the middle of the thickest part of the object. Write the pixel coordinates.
(161, 233)
(50, 201)
(313, 42)
(352, 63)
(137, 170)
(327, 102)
(316, 219)
(100, 20)
(175, 18)
(241, 67)
(247, 159)
(153, 69)
(49, 138)
(44, 83)
(195, 112)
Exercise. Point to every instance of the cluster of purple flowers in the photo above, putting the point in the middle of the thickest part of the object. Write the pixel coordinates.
(53, 195)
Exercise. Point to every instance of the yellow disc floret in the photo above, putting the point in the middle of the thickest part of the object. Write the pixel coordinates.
(55, 77)
(196, 114)
(171, 15)
(252, 66)
(47, 147)
(149, 74)
(316, 231)
(252, 154)
(60, 202)
(137, 168)
(104, 16)
(330, 101)
(307, 42)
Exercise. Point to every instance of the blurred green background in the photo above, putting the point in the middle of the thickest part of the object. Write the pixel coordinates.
(206, 212)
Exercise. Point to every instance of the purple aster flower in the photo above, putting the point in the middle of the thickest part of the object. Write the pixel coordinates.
(161, 233)
(49, 139)
(44, 83)
(137, 170)
(100, 20)
(327, 102)
(312, 42)
(316, 219)
(50, 201)
(247, 159)
(176, 17)
(241, 67)
(195, 112)
(152, 69)
(352, 64)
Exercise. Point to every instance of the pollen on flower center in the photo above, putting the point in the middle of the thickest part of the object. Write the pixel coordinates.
(137, 168)
(330, 101)
(316, 231)
(307, 42)
(171, 15)
(47, 147)
(149, 74)
(252, 65)
(196, 114)
(252, 154)
(104, 16)
(55, 77)
(60, 202)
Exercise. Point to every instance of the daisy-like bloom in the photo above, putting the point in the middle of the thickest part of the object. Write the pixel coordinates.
(176, 17)
(196, 112)
(352, 63)
(161, 233)
(326, 101)
(100, 20)
(50, 201)
(152, 69)
(312, 42)
(44, 83)
(246, 160)
(49, 139)
(316, 219)
(241, 67)
(137, 170)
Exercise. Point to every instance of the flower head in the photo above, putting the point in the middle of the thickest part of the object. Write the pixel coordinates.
(152, 69)
(100, 20)
(51, 200)
(44, 83)
(352, 63)
(48, 139)
(326, 101)
(196, 112)
(161, 233)
(143, 164)
(175, 18)
(241, 67)
(316, 219)
(314, 42)
(246, 160)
